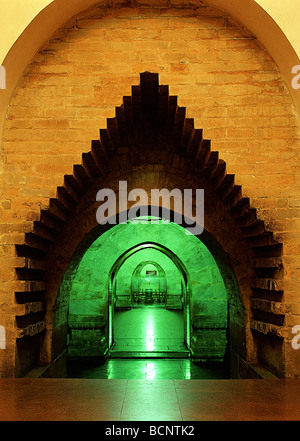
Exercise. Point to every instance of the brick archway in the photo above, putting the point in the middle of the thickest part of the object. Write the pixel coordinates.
(149, 119)
(180, 267)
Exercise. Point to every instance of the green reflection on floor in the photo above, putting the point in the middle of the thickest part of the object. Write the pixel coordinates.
(148, 328)
(148, 369)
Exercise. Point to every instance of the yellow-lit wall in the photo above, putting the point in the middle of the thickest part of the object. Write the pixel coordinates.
(258, 139)
(16, 15)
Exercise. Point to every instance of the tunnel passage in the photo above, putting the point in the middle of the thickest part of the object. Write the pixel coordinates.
(89, 296)
(157, 147)
(148, 307)
(149, 277)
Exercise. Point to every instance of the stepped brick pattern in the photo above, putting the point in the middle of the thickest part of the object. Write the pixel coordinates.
(220, 99)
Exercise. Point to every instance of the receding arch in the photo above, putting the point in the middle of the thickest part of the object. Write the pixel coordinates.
(119, 262)
(142, 265)
(181, 268)
(153, 271)
(94, 293)
(152, 119)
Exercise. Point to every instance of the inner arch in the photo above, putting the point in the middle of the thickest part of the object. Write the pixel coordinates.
(204, 295)
(153, 317)
(149, 118)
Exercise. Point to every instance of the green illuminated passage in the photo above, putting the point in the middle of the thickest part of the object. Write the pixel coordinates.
(147, 286)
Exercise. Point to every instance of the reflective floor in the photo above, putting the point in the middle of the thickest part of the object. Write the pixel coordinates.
(65, 399)
(148, 329)
(149, 345)
(148, 369)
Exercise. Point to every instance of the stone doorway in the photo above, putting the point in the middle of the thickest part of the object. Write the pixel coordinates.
(238, 242)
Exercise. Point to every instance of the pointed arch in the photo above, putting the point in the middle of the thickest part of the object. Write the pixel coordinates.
(180, 267)
(149, 127)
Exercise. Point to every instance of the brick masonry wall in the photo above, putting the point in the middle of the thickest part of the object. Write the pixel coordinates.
(226, 80)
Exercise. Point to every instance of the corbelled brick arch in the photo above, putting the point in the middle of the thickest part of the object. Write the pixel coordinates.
(151, 131)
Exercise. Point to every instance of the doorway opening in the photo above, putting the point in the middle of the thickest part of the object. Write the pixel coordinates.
(149, 283)
(134, 298)
(149, 314)
(161, 147)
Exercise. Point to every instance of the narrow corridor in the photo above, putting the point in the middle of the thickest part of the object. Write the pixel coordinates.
(149, 330)
(149, 345)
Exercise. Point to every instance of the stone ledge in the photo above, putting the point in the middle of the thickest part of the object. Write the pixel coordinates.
(268, 328)
(277, 308)
(263, 373)
(31, 330)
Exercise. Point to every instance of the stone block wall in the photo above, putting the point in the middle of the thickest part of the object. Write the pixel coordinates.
(88, 315)
(169, 282)
(229, 85)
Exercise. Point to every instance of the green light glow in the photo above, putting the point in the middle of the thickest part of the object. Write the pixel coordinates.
(106, 274)
(150, 371)
(150, 334)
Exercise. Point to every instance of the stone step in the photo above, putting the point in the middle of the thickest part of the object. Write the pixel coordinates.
(149, 354)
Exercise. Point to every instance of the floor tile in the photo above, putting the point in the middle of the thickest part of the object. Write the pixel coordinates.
(196, 400)
(149, 328)
(148, 369)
